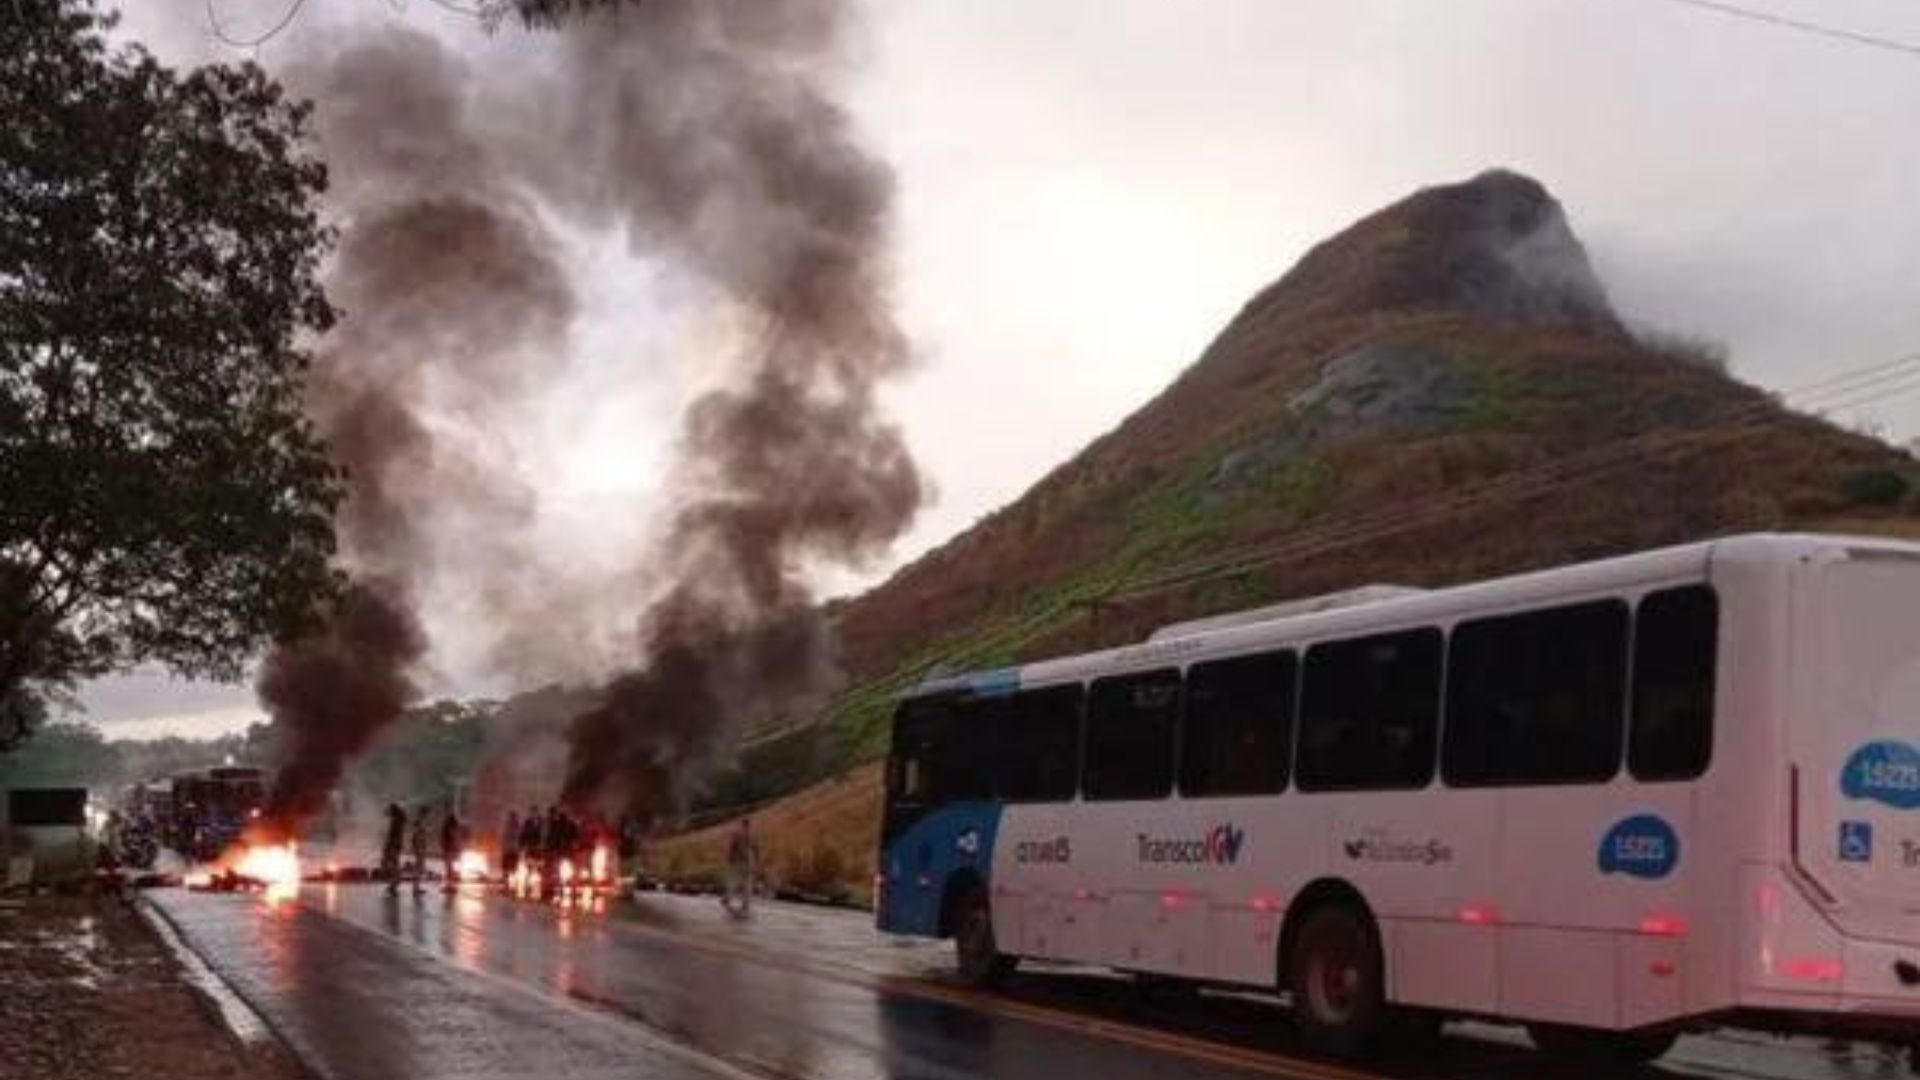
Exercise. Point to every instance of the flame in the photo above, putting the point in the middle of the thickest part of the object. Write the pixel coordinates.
(566, 873)
(472, 866)
(275, 866)
(601, 860)
(522, 882)
(198, 879)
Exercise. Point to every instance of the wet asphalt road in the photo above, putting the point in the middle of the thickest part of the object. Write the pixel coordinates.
(363, 985)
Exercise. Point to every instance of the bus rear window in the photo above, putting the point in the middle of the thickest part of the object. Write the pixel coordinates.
(934, 760)
(1368, 711)
(1130, 732)
(1676, 636)
(1237, 734)
(1538, 697)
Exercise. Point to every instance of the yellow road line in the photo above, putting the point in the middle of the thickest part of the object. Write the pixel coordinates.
(1119, 1031)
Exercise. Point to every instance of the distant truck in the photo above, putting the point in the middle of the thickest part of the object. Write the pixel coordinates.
(212, 807)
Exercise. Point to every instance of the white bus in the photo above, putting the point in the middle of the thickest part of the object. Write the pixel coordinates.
(1613, 801)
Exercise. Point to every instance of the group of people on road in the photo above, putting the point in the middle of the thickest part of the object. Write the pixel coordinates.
(535, 848)
(546, 840)
(409, 836)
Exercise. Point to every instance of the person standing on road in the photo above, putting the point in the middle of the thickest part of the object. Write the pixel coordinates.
(738, 898)
(510, 846)
(391, 847)
(419, 839)
(451, 840)
(530, 843)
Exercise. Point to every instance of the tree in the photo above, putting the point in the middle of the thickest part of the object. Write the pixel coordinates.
(65, 755)
(162, 495)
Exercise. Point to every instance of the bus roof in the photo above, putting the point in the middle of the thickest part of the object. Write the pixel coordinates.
(1203, 638)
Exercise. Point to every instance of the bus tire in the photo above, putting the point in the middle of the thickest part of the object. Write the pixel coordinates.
(1336, 978)
(1596, 1045)
(977, 957)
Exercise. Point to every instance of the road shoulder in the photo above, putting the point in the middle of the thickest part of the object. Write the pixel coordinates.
(88, 990)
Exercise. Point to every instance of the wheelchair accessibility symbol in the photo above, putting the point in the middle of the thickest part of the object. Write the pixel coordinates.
(1856, 841)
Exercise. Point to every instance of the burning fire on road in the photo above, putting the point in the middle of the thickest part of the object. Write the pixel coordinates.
(272, 869)
(471, 866)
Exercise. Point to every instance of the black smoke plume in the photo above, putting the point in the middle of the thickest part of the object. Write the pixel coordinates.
(454, 301)
(324, 692)
(712, 132)
(709, 132)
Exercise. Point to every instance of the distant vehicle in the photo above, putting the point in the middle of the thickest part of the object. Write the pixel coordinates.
(1613, 802)
(44, 838)
(152, 801)
(212, 807)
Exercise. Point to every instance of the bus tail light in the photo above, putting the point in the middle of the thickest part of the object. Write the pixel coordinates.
(1663, 926)
(1815, 968)
(1480, 915)
(1266, 903)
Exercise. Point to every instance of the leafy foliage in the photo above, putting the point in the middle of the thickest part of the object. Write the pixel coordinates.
(162, 496)
(1874, 487)
(64, 755)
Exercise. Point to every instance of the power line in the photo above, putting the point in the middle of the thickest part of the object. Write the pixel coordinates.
(213, 22)
(1872, 383)
(1532, 483)
(477, 11)
(1834, 33)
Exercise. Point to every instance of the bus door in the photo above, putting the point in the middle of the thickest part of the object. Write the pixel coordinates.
(1855, 753)
(940, 819)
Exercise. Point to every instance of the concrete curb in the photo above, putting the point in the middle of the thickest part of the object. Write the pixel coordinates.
(240, 1018)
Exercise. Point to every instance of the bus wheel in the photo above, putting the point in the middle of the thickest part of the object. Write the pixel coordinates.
(1335, 977)
(1595, 1045)
(978, 959)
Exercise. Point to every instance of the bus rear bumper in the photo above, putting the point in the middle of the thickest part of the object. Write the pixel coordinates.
(1871, 991)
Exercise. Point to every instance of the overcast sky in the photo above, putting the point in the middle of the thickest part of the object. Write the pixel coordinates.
(1088, 190)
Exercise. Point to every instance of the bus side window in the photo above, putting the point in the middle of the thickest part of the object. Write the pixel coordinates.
(1537, 697)
(1237, 733)
(1369, 711)
(1131, 721)
(1036, 743)
(1676, 637)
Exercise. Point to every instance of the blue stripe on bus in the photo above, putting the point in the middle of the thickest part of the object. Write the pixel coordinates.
(917, 866)
(990, 683)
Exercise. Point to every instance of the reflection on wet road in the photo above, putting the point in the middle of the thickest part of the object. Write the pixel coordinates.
(471, 985)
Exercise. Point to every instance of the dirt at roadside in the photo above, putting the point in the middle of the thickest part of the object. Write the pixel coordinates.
(86, 991)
